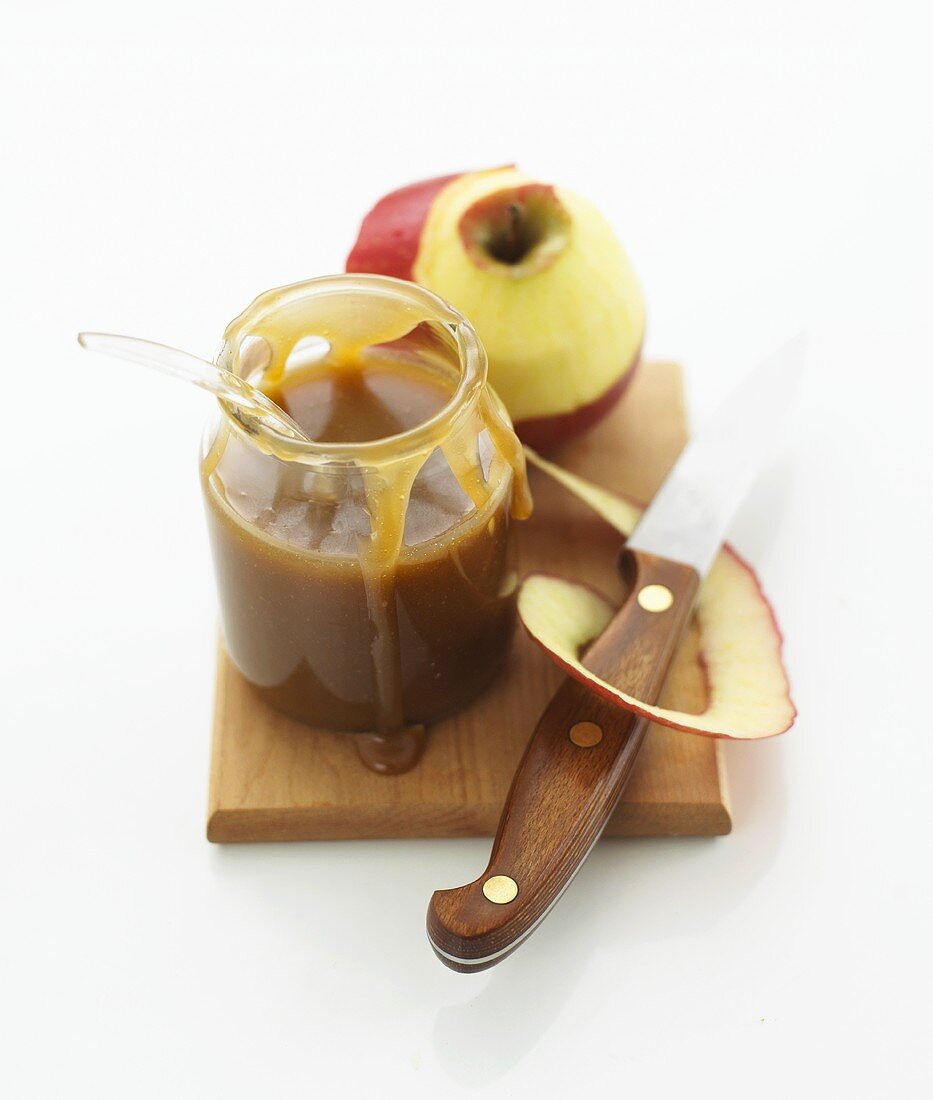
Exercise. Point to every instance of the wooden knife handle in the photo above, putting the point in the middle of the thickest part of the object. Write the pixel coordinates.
(570, 778)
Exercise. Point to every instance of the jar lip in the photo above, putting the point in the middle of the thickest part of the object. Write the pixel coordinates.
(472, 356)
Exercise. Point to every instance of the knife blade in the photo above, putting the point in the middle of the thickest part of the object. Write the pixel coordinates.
(582, 750)
(689, 515)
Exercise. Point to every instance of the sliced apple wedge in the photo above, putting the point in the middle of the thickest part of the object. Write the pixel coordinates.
(748, 694)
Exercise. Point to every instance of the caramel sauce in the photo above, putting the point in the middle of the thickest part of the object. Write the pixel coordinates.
(353, 403)
(369, 594)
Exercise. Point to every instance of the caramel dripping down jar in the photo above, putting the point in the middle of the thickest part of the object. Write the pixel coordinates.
(366, 586)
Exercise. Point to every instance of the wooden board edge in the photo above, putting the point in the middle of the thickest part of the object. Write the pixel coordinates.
(670, 819)
(245, 826)
(220, 688)
(722, 780)
(256, 825)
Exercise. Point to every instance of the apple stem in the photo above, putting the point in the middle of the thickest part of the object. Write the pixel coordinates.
(522, 228)
(514, 244)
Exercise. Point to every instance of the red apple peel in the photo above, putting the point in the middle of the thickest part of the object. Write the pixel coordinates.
(740, 642)
(390, 233)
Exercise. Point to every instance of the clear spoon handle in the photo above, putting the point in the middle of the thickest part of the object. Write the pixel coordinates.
(223, 383)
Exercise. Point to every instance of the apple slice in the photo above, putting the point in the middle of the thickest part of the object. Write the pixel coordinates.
(740, 643)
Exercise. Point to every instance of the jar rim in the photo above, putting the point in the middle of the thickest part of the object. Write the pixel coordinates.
(471, 354)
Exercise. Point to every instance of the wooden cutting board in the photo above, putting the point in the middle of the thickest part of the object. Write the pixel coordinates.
(273, 778)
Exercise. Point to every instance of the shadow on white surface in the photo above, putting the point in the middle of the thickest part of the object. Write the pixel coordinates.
(629, 897)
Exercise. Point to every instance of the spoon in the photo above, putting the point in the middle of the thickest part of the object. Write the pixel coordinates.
(232, 389)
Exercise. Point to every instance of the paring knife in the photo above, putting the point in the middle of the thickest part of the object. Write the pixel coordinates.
(581, 753)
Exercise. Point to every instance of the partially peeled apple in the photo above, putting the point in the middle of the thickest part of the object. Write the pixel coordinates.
(748, 695)
(541, 276)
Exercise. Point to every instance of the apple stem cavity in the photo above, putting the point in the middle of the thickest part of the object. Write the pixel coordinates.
(518, 238)
(518, 231)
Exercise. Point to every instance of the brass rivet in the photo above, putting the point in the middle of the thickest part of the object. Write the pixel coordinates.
(586, 734)
(500, 889)
(655, 597)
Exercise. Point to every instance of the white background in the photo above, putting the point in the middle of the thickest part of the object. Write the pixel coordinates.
(769, 168)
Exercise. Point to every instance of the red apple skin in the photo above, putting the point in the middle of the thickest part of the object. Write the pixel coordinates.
(546, 433)
(596, 688)
(388, 240)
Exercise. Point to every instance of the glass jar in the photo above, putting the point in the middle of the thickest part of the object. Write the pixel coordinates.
(365, 586)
